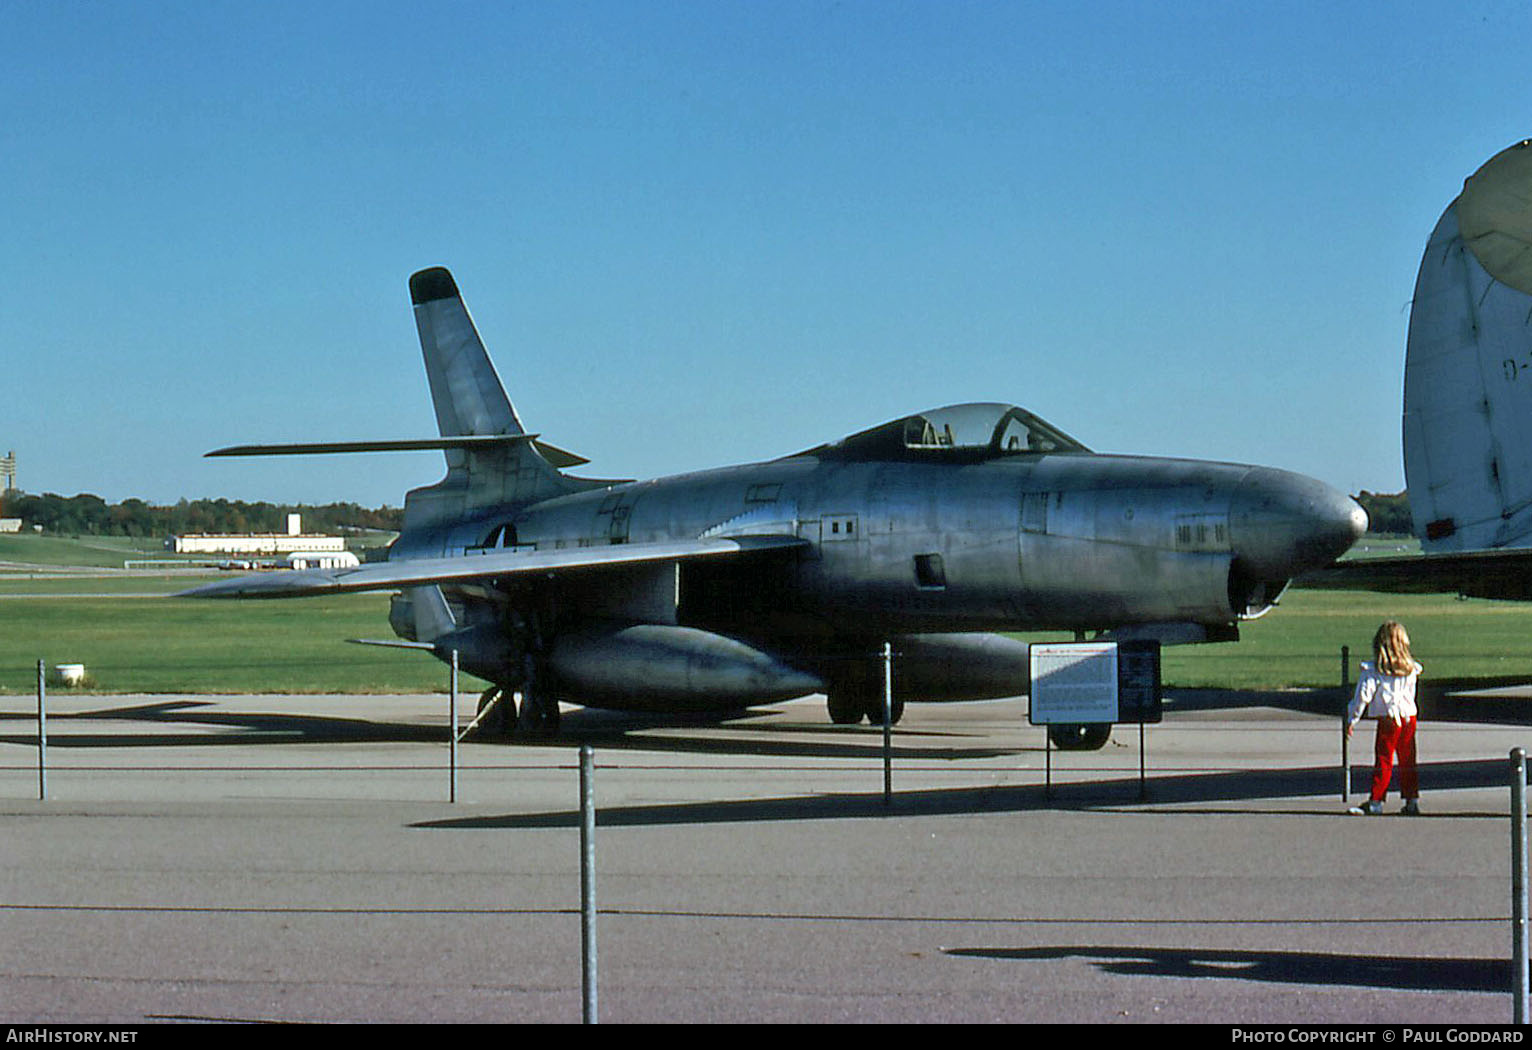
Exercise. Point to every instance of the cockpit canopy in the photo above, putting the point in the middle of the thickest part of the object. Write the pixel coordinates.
(981, 430)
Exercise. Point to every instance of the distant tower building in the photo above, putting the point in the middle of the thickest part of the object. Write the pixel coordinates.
(8, 472)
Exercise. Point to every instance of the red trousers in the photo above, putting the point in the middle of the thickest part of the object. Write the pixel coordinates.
(1395, 737)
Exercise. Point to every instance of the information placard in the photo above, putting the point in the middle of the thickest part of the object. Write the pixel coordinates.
(1076, 683)
(1138, 682)
(1073, 682)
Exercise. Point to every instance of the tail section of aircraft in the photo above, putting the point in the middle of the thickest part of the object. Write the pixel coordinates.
(465, 389)
(471, 402)
(1468, 366)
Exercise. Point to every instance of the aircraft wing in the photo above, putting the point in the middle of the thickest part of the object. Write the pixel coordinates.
(414, 572)
(1497, 573)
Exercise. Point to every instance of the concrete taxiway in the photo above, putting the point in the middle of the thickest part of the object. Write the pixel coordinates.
(272, 858)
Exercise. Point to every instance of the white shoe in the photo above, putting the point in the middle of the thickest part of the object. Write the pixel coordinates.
(1366, 809)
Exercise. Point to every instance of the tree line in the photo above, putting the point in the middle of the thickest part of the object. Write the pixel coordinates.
(88, 515)
(1387, 514)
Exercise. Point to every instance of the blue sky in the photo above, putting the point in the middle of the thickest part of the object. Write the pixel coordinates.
(705, 233)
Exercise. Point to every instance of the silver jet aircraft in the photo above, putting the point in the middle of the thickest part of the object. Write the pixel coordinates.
(753, 584)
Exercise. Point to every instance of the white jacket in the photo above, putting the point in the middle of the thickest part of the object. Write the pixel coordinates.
(1381, 695)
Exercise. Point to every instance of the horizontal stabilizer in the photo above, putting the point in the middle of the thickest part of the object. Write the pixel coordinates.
(554, 455)
(392, 643)
(416, 572)
(1504, 573)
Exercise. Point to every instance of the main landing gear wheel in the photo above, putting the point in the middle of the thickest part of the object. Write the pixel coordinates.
(539, 714)
(844, 710)
(847, 708)
(875, 712)
(498, 714)
(1088, 736)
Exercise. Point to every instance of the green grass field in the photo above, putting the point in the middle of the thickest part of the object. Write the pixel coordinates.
(133, 643)
(170, 645)
(176, 645)
(107, 552)
(73, 583)
(1298, 643)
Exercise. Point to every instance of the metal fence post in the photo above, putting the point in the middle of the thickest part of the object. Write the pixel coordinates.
(1345, 745)
(888, 723)
(1519, 885)
(588, 883)
(42, 735)
(1345, 762)
(452, 729)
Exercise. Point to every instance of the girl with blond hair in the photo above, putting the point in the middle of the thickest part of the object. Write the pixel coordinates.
(1386, 691)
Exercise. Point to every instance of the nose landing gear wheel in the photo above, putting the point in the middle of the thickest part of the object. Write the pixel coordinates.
(1088, 736)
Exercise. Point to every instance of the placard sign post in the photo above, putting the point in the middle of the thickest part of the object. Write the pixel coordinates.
(1095, 683)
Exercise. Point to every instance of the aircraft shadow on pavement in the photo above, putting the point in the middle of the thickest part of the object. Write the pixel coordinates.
(606, 729)
(1330, 701)
(1441, 700)
(1103, 795)
(245, 729)
(1444, 700)
(757, 736)
(1310, 968)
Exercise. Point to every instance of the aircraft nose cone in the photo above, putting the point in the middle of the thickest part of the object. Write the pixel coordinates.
(1283, 524)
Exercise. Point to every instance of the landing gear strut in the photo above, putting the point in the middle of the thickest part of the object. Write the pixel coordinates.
(539, 713)
(500, 716)
(495, 703)
(490, 718)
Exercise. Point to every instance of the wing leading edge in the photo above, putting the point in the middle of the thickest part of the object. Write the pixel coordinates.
(422, 571)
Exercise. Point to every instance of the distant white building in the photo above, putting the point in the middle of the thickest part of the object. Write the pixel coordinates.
(321, 560)
(10, 524)
(268, 543)
(292, 541)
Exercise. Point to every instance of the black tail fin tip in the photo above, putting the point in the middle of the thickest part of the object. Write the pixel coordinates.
(427, 286)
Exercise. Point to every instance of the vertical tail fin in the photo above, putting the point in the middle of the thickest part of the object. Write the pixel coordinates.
(1468, 366)
(465, 388)
(470, 400)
